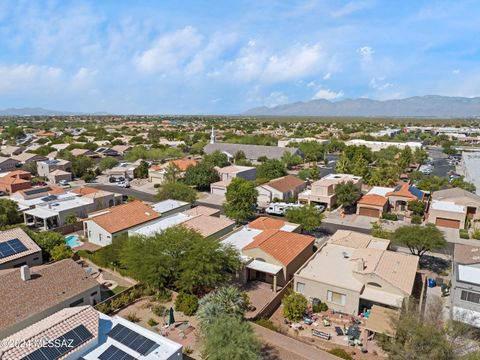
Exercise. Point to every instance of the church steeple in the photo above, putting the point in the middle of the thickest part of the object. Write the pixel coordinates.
(212, 136)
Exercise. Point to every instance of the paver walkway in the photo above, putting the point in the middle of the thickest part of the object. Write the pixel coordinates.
(286, 348)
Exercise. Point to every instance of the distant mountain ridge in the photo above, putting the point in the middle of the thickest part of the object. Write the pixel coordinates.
(417, 106)
(37, 111)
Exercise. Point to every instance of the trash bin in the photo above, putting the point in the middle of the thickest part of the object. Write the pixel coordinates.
(432, 283)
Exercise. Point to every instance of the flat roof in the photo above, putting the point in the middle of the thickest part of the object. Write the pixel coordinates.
(380, 190)
(469, 274)
(161, 224)
(168, 205)
(241, 238)
(447, 206)
(265, 267)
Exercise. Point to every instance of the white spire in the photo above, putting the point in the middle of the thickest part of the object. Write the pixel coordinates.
(212, 136)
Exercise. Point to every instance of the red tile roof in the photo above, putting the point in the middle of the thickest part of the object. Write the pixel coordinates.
(373, 199)
(282, 245)
(285, 183)
(84, 190)
(266, 223)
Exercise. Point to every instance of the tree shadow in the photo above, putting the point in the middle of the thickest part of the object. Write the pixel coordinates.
(435, 264)
(268, 352)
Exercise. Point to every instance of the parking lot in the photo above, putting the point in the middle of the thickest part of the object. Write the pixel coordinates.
(441, 167)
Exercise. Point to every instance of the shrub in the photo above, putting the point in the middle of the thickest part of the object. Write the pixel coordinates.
(390, 216)
(294, 306)
(464, 234)
(163, 296)
(187, 350)
(319, 307)
(266, 323)
(476, 234)
(186, 303)
(416, 219)
(341, 353)
(133, 318)
(151, 322)
(156, 186)
(104, 308)
(159, 310)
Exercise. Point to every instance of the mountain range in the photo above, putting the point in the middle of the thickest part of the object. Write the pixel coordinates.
(37, 111)
(418, 106)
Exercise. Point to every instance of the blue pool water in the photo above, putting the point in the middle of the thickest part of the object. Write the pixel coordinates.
(72, 241)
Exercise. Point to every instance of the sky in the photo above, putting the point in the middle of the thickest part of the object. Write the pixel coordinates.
(224, 57)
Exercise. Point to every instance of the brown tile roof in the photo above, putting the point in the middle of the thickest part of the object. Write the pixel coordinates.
(50, 327)
(202, 210)
(125, 216)
(398, 269)
(85, 190)
(49, 285)
(373, 199)
(285, 183)
(266, 223)
(208, 225)
(18, 233)
(282, 245)
(465, 254)
(183, 164)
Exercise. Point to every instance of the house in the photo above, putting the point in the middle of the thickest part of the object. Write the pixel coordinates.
(252, 152)
(124, 169)
(31, 294)
(91, 335)
(375, 202)
(323, 191)
(59, 175)
(285, 142)
(283, 188)
(169, 207)
(380, 145)
(402, 194)
(27, 157)
(271, 255)
(156, 173)
(105, 151)
(18, 249)
(202, 210)
(226, 175)
(14, 181)
(45, 134)
(12, 150)
(453, 208)
(44, 168)
(121, 149)
(8, 164)
(352, 271)
(84, 152)
(103, 226)
(210, 226)
(470, 168)
(465, 289)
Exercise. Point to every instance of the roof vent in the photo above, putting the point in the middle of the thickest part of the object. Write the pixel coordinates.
(345, 255)
(25, 273)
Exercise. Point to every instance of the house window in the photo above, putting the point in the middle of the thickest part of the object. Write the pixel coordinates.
(336, 298)
(300, 287)
(100, 237)
(470, 297)
(77, 302)
(94, 293)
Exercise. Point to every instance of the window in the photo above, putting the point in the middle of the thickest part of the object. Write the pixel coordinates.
(374, 284)
(77, 302)
(336, 298)
(94, 293)
(470, 297)
(35, 258)
(300, 287)
(100, 237)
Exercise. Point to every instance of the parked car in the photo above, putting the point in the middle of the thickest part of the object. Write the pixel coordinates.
(320, 208)
(63, 183)
(123, 184)
(116, 179)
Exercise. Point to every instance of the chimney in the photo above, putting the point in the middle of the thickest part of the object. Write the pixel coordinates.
(25, 273)
(360, 264)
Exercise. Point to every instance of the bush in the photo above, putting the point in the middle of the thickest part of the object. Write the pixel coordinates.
(294, 306)
(151, 322)
(133, 318)
(159, 310)
(416, 219)
(266, 323)
(163, 296)
(186, 303)
(464, 234)
(156, 186)
(476, 234)
(390, 216)
(341, 353)
(319, 307)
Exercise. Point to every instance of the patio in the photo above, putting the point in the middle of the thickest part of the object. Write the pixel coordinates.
(260, 294)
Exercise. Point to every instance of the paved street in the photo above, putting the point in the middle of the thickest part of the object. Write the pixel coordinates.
(140, 195)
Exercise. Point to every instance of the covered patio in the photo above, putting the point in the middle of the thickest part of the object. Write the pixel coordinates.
(41, 218)
(264, 272)
(381, 320)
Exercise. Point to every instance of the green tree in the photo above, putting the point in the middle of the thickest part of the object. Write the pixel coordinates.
(289, 160)
(308, 217)
(176, 191)
(172, 172)
(107, 163)
(343, 165)
(294, 306)
(239, 155)
(462, 184)
(419, 239)
(241, 198)
(70, 219)
(271, 169)
(312, 150)
(217, 158)
(406, 157)
(186, 303)
(309, 174)
(420, 156)
(9, 213)
(47, 240)
(88, 176)
(31, 167)
(201, 175)
(417, 207)
(60, 252)
(141, 172)
(347, 193)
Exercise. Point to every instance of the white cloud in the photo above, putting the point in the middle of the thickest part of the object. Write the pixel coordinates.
(276, 98)
(351, 7)
(327, 76)
(456, 71)
(378, 83)
(26, 77)
(366, 52)
(327, 94)
(169, 52)
(312, 84)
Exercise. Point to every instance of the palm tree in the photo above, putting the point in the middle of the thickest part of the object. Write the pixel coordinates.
(347, 194)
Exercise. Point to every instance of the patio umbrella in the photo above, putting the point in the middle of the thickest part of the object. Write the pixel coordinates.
(171, 319)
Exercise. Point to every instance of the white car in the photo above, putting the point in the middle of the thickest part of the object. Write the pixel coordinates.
(63, 183)
(123, 184)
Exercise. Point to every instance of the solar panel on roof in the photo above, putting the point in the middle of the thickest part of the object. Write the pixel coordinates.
(61, 345)
(37, 191)
(50, 198)
(114, 353)
(11, 247)
(132, 339)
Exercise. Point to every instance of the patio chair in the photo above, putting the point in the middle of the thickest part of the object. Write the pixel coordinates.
(338, 330)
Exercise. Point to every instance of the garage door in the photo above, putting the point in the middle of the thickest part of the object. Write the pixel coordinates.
(448, 223)
(369, 212)
(218, 190)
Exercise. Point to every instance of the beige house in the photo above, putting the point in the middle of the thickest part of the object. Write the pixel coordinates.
(226, 175)
(27, 157)
(156, 173)
(352, 272)
(32, 294)
(44, 168)
(283, 189)
(59, 175)
(452, 207)
(323, 190)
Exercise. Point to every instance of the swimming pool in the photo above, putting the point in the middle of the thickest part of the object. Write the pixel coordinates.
(72, 241)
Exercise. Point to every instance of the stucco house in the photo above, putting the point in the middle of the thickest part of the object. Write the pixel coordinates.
(26, 157)
(226, 175)
(156, 173)
(352, 272)
(44, 168)
(323, 191)
(283, 189)
(402, 194)
(453, 208)
(13, 181)
(375, 202)
(8, 164)
(18, 249)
